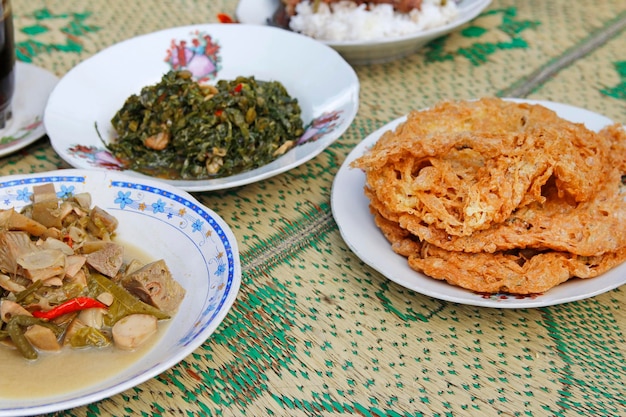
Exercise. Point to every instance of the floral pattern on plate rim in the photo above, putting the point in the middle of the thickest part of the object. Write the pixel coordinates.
(21, 133)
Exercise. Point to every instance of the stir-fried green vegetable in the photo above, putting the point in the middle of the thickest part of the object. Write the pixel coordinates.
(180, 129)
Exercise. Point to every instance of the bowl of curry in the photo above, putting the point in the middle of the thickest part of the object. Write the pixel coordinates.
(118, 277)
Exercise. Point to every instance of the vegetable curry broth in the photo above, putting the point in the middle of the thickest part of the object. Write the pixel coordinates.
(54, 373)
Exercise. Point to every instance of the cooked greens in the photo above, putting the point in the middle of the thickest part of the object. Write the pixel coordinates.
(180, 129)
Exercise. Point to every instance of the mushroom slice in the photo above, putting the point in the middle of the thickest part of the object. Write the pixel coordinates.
(132, 331)
(43, 264)
(8, 284)
(102, 224)
(53, 243)
(106, 298)
(12, 220)
(44, 192)
(92, 317)
(12, 246)
(79, 279)
(42, 338)
(83, 200)
(72, 329)
(46, 213)
(153, 284)
(108, 260)
(10, 308)
(74, 264)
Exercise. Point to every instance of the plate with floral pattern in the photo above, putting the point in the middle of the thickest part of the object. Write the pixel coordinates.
(79, 111)
(163, 222)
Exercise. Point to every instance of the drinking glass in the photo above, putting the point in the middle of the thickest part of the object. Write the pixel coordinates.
(7, 62)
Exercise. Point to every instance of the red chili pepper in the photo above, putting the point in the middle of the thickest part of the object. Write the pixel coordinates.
(70, 306)
(219, 112)
(224, 18)
(238, 88)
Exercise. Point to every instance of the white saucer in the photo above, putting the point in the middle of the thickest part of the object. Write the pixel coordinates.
(32, 88)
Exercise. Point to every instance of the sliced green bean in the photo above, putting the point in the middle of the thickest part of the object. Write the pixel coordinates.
(21, 296)
(14, 327)
(16, 332)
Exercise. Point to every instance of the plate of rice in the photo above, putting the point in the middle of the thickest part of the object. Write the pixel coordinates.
(365, 33)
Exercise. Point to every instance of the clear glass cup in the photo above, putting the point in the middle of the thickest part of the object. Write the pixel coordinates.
(7, 62)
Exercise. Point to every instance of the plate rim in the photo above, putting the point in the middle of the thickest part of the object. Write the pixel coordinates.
(40, 79)
(439, 289)
(97, 390)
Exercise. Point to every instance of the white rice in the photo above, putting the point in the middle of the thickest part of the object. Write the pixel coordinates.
(345, 21)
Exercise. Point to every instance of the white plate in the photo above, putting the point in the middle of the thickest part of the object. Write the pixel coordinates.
(32, 88)
(350, 209)
(325, 85)
(165, 223)
(368, 52)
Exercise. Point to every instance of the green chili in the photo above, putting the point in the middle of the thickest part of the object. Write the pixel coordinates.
(14, 328)
(89, 336)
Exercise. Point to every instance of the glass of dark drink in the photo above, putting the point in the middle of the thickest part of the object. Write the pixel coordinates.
(7, 62)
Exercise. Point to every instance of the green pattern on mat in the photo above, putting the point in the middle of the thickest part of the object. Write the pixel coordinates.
(618, 91)
(314, 331)
(68, 28)
(477, 52)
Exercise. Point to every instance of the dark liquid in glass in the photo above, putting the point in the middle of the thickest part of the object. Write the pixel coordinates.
(7, 62)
